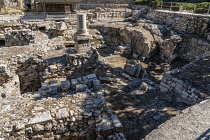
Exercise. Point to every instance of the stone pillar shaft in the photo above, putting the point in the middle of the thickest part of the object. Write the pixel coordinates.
(81, 24)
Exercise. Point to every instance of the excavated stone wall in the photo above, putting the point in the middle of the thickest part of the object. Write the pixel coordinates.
(79, 115)
(194, 30)
(182, 23)
(183, 91)
(193, 48)
(179, 90)
(138, 39)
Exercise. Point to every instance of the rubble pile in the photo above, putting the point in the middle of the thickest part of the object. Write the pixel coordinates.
(133, 68)
(9, 82)
(18, 37)
(168, 47)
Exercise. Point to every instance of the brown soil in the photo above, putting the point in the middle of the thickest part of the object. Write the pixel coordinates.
(139, 112)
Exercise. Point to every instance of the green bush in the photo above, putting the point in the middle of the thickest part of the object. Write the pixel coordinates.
(201, 11)
(186, 6)
(142, 2)
(175, 8)
(203, 5)
(145, 2)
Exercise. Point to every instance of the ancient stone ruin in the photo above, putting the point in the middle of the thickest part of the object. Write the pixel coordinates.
(103, 72)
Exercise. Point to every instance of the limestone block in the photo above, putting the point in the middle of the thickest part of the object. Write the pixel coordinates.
(74, 82)
(96, 84)
(53, 89)
(165, 85)
(38, 128)
(81, 87)
(40, 117)
(91, 76)
(116, 122)
(62, 113)
(61, 26)
(65, 85)
(163, 89)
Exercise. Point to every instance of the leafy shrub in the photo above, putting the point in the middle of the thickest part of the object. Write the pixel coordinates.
(201, 10)
(145, 2)
(175, 8)
(203, 5)
(186, 6)
(142, 2)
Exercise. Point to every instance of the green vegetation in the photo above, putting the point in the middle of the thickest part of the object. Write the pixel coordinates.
(201, 5)
(186, 6)
(145, 2)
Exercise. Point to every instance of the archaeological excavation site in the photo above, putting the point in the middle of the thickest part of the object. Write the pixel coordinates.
(103, 70)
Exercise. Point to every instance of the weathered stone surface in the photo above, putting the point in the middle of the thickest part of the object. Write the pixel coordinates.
(81, 87)
(62, 113)
(96, 84)
(65, 85)
(40, 117)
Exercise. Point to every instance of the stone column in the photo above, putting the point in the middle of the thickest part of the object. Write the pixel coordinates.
(81, 24)
(82, 37)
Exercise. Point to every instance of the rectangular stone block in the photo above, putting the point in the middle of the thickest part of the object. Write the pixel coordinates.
(116, 122)
(163, 89)
(62, 113)
(40, 117)
(165, 85)
(167, 76)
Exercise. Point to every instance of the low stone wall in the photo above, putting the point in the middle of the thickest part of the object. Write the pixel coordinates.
(196, 43)
(178, 89)
(195, 24)
(193, 48)
(86, 6)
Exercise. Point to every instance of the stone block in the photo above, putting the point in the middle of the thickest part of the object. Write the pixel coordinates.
(62, 113)
(74, 82)
(81, 87)
(177, 91)
(91, 76)
(53, 89)
(179, 86)
(40, 117)
(104, 128)
(165, 85)
(184, 96)
(163, 89)
(96, 113)
(96, 84)
(65, 85)
(167, 76)
(91, 122)
(116, 122)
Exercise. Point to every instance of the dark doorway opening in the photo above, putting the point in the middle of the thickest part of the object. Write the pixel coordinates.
(28, 6)
(69, 46)
(2, 42)
(42, 29)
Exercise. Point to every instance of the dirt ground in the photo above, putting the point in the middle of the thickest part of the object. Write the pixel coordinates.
(140, 112)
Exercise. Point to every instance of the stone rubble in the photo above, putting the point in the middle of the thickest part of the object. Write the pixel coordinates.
(83, 114)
